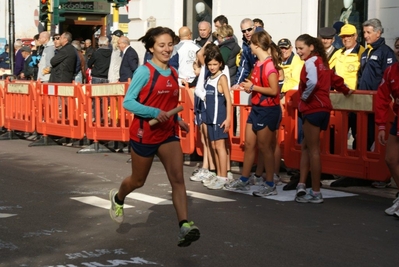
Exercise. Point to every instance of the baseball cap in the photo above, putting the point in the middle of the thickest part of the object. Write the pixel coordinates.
(26, 49)
(347, 29)
(284, 43)
(118, 33)
(327, 32)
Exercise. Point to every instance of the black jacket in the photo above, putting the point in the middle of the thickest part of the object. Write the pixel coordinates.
(130, 62)
(63, 65)
(99, 62)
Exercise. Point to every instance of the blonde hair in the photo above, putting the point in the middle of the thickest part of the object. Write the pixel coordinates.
(225, 31)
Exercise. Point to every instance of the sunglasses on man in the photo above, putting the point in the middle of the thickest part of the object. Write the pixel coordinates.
(247, 30)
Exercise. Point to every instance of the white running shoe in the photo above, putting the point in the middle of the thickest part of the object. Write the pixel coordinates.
(253, 180)
(237, 184)
(265, 191)
(394, 208)
(218, 183)
(209, 177)
(199, 176)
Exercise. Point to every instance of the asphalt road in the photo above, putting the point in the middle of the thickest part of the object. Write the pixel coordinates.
(54, 212)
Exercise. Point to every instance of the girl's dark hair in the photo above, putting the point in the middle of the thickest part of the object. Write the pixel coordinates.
(264, 41)
(212, 51)
(149, 38)
(317, 44)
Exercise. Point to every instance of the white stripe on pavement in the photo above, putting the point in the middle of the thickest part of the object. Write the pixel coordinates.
(97, 201)
(208, 197)
(6, 215)
(149, 199)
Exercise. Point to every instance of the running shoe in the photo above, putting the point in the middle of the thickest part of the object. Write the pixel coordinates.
(394, 208)
(380, 185)
(300, 190)
(217, 183)
(188, 234)
(198, 176)
(310, 198)
(276, 179)
(116, 210)
(230, 176)
(265, 190)
(238, 185)
(254, 180)
(208, 178)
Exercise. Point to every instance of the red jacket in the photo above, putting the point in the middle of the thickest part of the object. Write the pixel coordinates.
(388, 89)
(315, 85)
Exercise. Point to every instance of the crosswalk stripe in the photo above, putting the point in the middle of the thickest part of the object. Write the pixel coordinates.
(97, 201)
(149, 199)
(208, 197)
(6, 215)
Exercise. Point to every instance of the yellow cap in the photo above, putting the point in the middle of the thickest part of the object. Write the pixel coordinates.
(347, 29)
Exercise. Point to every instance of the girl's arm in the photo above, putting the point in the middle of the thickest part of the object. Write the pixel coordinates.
(223, 87)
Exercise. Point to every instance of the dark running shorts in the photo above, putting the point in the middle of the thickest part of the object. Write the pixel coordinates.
(394, 128)
(260, 117)
(215, 132)
(149, 150)
(318, 119)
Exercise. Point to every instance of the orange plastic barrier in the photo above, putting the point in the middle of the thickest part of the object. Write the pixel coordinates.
(19, 103)
(106, 118)
(187, 139)
(2, 103)
(339, 159)
(60, 111)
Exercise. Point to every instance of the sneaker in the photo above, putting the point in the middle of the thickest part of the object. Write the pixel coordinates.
(188, 234)
(254, 180)
(310, 198)
(276, 179)
(300, 190)
(380, 185)
(195, 171)
(217, 183)
(230, 176)
(394, 208)
(237, 184)
(265, 190)
(116, 210)
(208, 178)
(198, 176)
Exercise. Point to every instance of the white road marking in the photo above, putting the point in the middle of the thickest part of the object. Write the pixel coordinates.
(149, 199)
(6, 215)
(98, 202)
(208, 197)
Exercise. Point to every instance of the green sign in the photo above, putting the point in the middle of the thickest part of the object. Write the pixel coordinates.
(84, 6)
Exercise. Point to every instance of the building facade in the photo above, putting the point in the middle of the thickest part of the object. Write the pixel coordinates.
(287, 19)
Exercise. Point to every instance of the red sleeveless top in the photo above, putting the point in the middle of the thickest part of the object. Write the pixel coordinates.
(159, 92)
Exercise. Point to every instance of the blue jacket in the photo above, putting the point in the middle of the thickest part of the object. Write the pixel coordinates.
(374, 60)
(247, 62)
(130, 62)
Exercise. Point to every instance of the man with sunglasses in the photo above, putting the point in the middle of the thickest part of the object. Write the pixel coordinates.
(47, 55)
(64, 62)
(247, 60)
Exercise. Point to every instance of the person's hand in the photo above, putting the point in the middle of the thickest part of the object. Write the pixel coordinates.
(236, 87)
(381, 137)
(46, 70)
(184, 126)
(162, 116)
(226, 125)
(246, 85)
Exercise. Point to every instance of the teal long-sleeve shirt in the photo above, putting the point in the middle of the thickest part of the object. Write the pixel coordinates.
(140, 79)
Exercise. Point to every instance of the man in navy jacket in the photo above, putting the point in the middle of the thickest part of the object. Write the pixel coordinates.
(130, 59)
